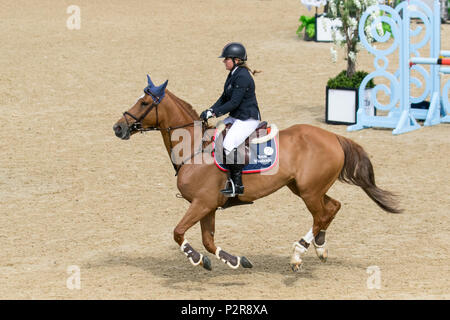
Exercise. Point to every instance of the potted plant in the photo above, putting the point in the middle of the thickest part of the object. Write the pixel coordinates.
(342, 91)
(309, 24)
(342, 98)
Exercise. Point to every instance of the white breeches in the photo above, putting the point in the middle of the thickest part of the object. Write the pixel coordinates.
(238, 132)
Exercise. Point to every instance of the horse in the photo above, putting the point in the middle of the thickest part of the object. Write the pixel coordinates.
(311, 160)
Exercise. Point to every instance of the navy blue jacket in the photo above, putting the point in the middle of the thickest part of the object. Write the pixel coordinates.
(238, 97)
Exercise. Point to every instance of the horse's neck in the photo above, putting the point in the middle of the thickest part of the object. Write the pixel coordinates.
(175, 115)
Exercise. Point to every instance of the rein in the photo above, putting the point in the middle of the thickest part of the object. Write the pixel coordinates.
(137, 126)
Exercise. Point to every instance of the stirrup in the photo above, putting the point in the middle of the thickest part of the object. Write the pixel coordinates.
(232, 191)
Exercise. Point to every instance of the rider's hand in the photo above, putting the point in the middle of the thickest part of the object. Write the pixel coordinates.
(205, 115)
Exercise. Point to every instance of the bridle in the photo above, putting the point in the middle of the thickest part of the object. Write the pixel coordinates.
(137, 127)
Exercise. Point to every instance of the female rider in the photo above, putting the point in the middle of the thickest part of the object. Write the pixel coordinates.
(239, 100)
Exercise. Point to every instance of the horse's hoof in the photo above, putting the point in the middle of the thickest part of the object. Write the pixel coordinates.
(206, 263)
(323, 257)
(245, 263)
(296, 267)
(321, 251)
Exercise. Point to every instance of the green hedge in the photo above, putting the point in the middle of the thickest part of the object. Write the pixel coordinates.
(342, 81)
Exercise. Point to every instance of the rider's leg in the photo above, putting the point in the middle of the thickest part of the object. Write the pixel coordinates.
(237, 134)
(236, 177)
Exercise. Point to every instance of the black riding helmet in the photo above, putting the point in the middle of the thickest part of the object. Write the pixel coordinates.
(234, 50)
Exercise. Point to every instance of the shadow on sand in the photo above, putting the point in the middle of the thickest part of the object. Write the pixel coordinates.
(177, 272)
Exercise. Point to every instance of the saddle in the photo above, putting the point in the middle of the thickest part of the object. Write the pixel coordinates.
(261, 130)
(262, 126)
(258, 152)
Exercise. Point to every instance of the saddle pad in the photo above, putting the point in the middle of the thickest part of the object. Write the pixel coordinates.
(262, 156)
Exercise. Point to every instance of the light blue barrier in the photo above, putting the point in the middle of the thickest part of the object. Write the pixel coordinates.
(401, 117)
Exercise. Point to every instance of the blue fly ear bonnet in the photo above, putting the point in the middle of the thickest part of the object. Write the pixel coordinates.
(157, 93)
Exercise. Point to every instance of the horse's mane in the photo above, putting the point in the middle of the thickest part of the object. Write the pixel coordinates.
(186, 106)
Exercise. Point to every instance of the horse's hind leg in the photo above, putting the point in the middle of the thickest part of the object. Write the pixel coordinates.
(330, 208)
(208, 228)
(323, 210)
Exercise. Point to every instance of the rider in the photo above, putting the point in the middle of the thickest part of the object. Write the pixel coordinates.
(238, 99)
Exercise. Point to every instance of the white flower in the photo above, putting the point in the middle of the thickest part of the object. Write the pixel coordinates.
(333, 8)
(380, 29)
(368, 32)
(373, 16)
(357, 4)
(352, 22)
(333, 55)
(349, 33)
(352, 56)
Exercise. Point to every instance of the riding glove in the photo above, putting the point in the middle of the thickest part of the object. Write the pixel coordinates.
(205, 115)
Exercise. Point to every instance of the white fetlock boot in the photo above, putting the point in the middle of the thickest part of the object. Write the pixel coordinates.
(321, 250)
(296, 260)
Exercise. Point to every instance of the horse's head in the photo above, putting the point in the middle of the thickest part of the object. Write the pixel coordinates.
(143, 116)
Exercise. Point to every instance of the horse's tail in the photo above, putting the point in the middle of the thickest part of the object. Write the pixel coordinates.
(358, 170)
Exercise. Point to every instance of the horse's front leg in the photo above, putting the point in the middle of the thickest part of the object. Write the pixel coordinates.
(195, 213)
(208, 228)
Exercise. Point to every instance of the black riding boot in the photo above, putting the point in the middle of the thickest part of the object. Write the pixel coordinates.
(236, 176)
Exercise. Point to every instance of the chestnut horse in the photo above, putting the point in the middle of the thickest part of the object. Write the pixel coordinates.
(311, 159)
